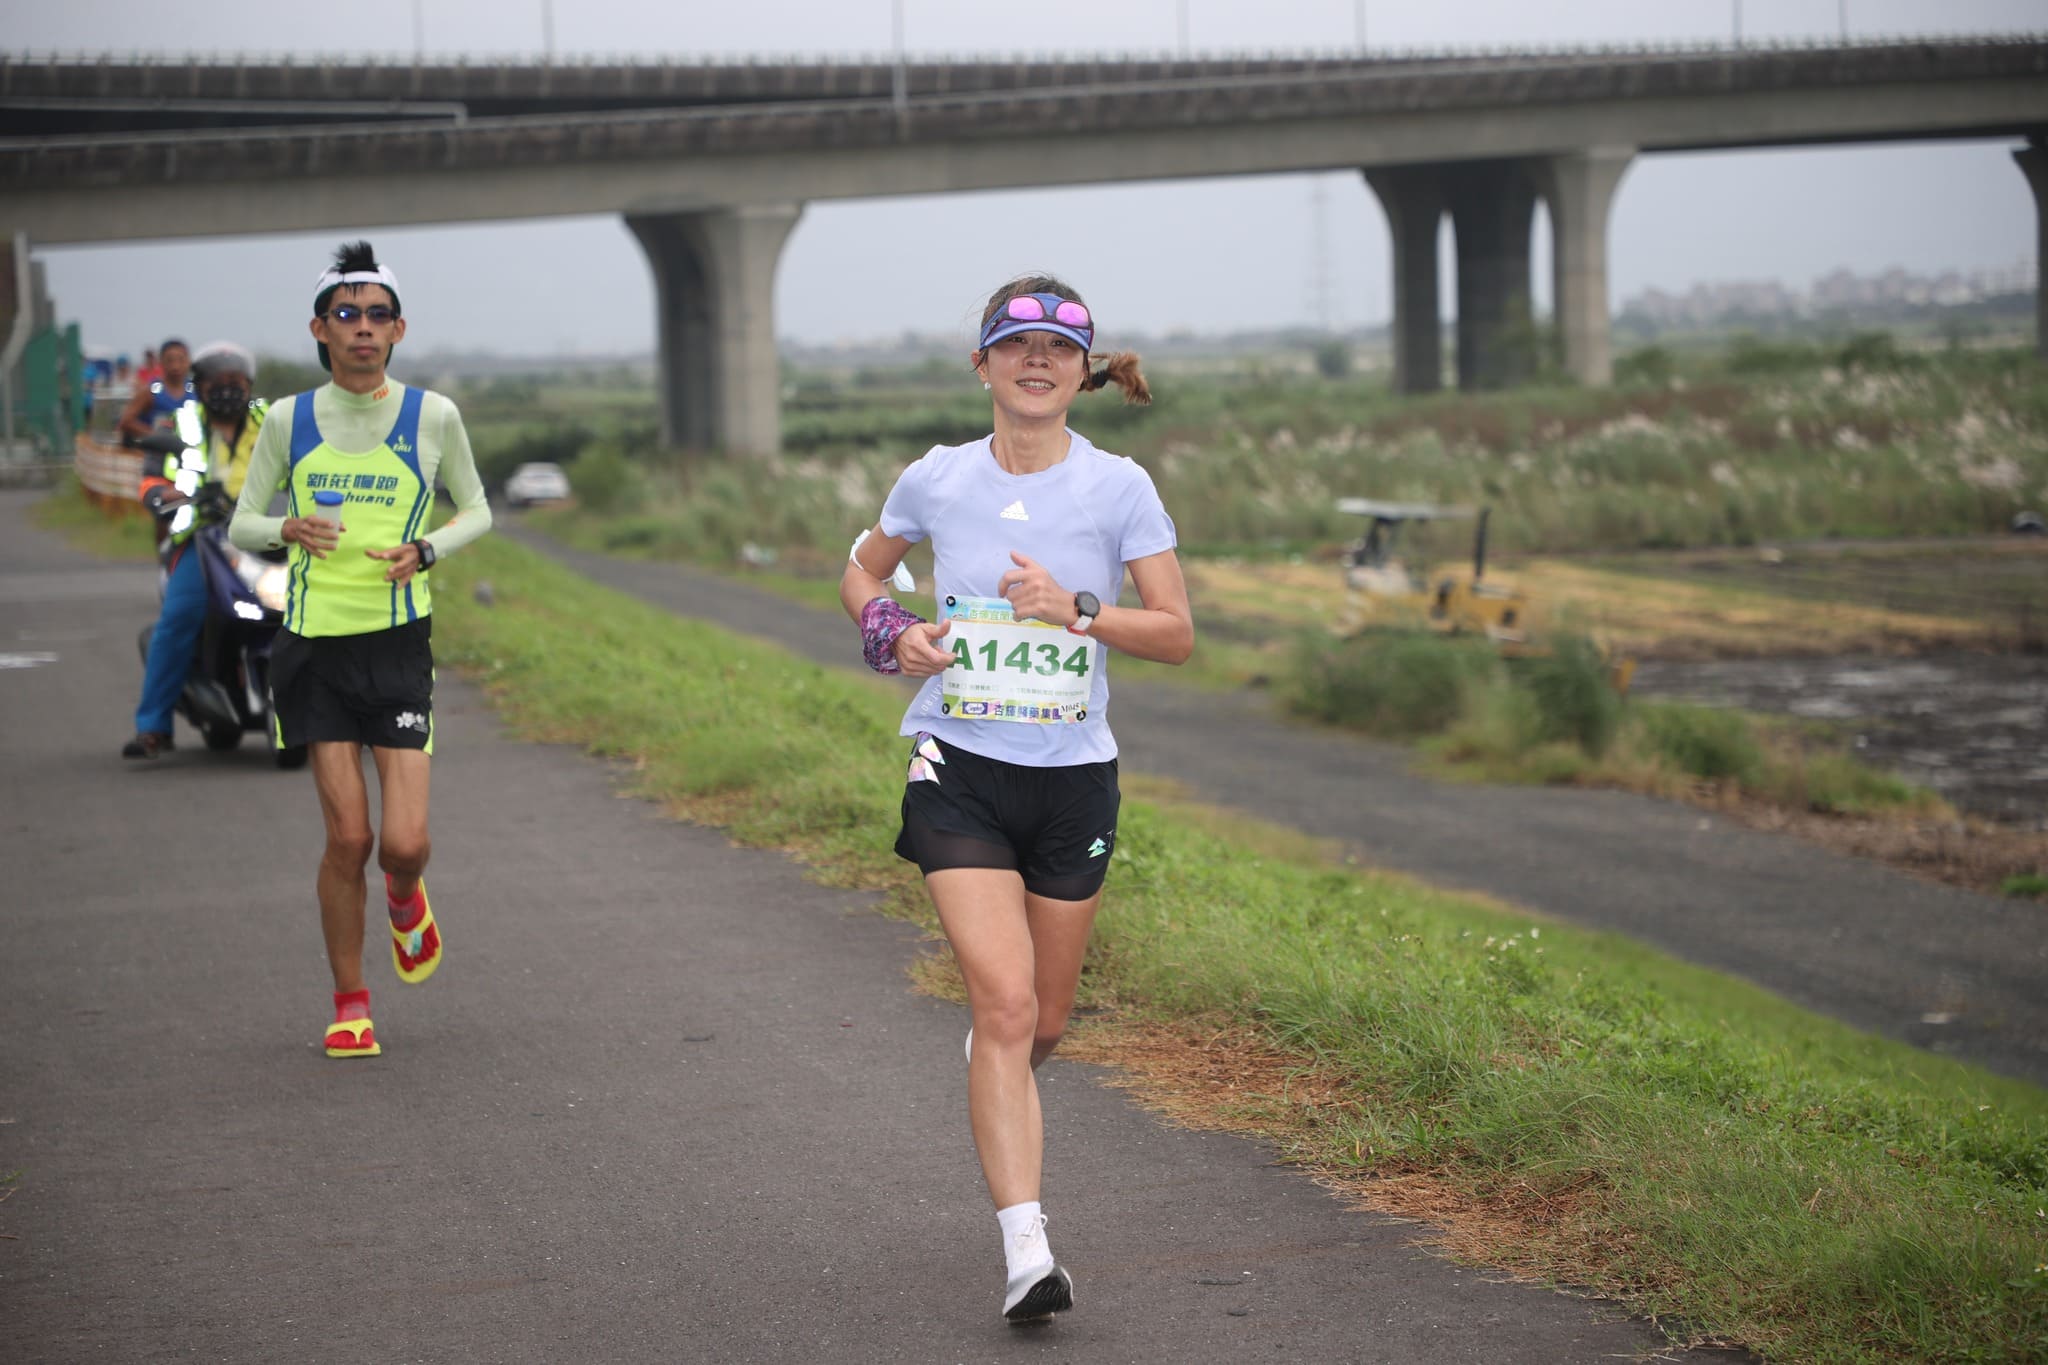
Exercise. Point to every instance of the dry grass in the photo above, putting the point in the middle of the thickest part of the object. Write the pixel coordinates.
(1637, 615)
(1216, 1075)
(1975, 854)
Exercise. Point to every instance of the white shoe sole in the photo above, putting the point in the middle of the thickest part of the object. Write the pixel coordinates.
(1052, 1293)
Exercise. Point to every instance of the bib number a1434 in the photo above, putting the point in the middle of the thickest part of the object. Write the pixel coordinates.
(1006, 669)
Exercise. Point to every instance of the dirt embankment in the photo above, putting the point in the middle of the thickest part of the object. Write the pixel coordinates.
(1928, 659)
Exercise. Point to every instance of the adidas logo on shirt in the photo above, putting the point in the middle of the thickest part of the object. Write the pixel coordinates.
(1015, 512)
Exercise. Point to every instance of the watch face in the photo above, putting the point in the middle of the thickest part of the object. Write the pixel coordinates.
(1087, 604)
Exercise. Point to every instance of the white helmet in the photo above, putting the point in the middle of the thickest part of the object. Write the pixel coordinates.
(219, 357)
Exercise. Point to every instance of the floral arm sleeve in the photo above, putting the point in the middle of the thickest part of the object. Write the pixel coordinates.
(881, 621)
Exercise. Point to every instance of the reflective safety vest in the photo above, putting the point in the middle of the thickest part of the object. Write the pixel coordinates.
(193, 466)
(385, 502)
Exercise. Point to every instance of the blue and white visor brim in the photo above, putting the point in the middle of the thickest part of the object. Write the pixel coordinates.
(1010, 327)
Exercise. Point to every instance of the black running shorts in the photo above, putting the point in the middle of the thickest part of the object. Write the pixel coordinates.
(375, 689)
(1055, 826)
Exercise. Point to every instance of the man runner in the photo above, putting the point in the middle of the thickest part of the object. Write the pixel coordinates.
(353, 665)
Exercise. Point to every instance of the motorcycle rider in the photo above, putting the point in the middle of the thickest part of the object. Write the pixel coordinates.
(226, 419)
(155, 404)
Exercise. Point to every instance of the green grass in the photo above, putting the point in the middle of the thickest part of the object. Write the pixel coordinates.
(1717, 1155)
(118, 533)
(1555, 719)
(2026, 884)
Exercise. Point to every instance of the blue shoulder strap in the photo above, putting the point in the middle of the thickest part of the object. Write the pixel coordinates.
(404, 440)
(305, 431)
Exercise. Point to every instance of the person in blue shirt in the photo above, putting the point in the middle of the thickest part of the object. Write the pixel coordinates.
(155, 405)
(1010, 800)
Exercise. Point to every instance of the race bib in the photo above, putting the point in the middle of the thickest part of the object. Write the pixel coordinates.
(1006, 669)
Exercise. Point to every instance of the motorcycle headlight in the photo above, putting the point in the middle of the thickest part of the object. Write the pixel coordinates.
(272, 585)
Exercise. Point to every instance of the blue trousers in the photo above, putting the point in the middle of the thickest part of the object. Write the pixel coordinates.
(170, 648)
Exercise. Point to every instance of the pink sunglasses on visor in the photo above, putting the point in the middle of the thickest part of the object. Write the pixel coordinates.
(1041, 313)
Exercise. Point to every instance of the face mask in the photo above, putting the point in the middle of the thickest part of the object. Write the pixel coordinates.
(227, 401)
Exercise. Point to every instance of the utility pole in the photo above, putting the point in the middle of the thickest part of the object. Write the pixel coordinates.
(1320, 305)
(899, 79)
(1738, 21)
(547, 28)
(419, 30)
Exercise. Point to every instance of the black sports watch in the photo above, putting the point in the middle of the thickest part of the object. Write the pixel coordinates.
(1087, 606)
(426, 552)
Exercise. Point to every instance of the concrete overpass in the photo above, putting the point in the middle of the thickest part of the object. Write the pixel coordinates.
(711, 164)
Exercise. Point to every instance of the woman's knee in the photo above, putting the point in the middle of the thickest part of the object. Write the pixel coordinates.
(1006, 1017)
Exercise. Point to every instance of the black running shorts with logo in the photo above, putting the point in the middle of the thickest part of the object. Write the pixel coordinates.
(1055, 826)
(375, 689)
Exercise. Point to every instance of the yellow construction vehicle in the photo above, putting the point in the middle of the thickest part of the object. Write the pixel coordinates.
(1384, 590)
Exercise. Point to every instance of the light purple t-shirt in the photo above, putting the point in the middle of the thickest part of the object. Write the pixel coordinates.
(1083, 520)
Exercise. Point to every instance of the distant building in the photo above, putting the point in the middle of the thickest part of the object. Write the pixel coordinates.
(1751, 302)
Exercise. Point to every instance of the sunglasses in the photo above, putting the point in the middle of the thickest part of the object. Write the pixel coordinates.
(1040, 308)
(1031, 308)
(377, 313)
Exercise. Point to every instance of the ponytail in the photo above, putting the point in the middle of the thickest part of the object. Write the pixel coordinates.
(1121, 369)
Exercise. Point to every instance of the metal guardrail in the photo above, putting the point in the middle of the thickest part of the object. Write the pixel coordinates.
(590, 83)
(184, 61)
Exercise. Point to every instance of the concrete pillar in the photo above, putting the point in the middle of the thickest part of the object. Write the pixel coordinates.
(1493, 207)
(2033, 159)
(1579, 187)
(714, 278)
(1413, 200)
(17, 309)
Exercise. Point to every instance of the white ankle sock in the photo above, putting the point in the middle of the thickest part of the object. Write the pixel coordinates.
(1035, 1252)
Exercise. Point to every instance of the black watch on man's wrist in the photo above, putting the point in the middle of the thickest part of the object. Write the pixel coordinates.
(1087, 606)
(426, 553)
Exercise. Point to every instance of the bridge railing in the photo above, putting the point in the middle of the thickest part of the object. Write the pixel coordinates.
(1053, 58)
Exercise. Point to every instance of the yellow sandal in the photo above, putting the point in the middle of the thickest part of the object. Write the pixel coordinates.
(416, 952)
(361, 1036)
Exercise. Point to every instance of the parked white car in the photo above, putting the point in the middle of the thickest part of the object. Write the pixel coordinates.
(532, 483)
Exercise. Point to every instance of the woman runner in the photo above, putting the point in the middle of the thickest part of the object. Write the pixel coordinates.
(1010, 804)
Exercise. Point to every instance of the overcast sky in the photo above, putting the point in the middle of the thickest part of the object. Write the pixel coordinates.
(1212, 255)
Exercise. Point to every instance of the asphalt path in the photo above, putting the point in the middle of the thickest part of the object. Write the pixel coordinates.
(665, 1099)
(1941, 968)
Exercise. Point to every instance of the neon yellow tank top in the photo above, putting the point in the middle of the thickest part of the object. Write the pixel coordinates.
(384, 503)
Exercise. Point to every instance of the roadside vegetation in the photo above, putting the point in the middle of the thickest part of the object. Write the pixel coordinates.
(1644, 517)
(118, 532)
(1564, 1103)
(1557, 718)
(1761, 443)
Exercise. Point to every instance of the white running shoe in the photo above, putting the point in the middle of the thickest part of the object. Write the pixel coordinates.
(1038, 1287)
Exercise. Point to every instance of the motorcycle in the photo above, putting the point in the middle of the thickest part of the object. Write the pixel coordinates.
(227, 688)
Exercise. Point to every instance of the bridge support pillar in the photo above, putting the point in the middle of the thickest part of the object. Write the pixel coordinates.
(2033, 159)
(1413, 199)
(1493, 206)
(1579, 187)
(17, 309)
(714, 279)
